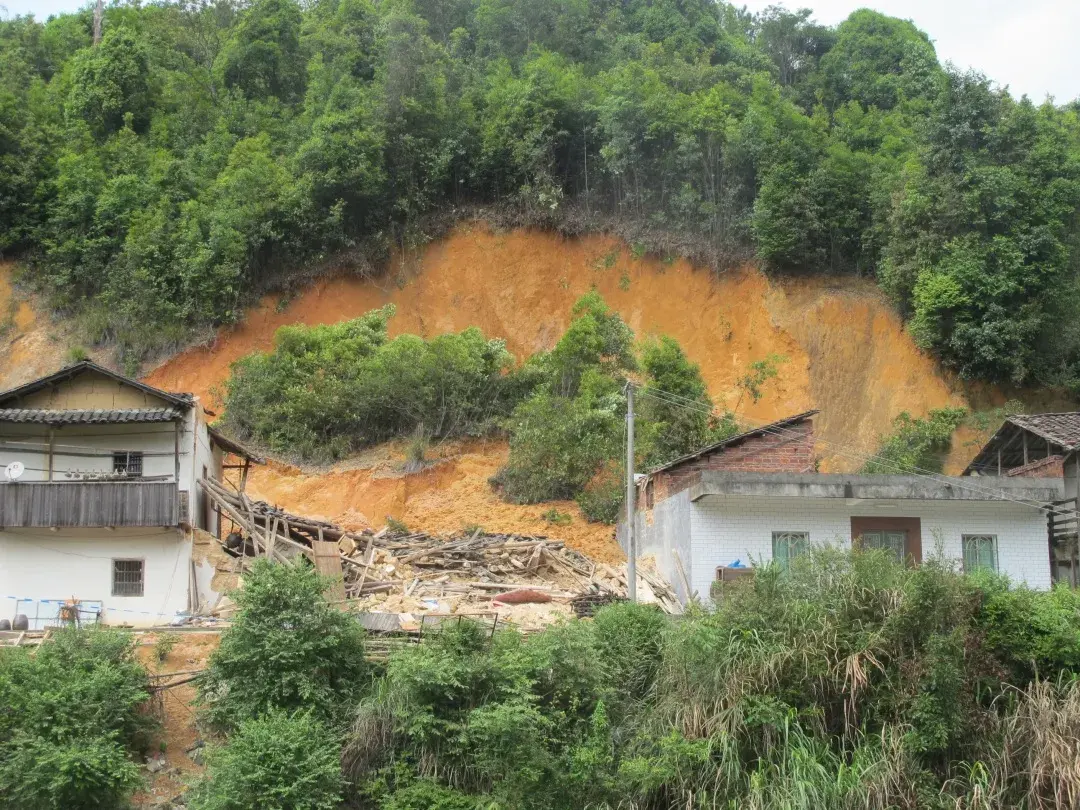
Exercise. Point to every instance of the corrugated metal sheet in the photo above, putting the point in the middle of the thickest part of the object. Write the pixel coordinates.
(88, 417)
(89, 504)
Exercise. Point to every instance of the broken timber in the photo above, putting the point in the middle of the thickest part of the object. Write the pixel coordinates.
(474, 567)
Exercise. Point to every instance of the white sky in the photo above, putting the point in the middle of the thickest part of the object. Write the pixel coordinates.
(1031, 45)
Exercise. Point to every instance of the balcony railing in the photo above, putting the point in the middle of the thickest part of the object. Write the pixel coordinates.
(88, 504)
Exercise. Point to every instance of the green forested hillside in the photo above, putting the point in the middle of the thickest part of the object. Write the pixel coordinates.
(204, 151)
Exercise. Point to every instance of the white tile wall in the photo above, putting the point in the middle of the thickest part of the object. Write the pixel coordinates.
(726, 528)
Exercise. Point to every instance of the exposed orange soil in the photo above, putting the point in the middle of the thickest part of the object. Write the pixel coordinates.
(452, 494)
(179, 729)
(28, 346)
(847, 352)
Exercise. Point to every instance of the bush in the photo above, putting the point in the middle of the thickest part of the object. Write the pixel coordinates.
(77, 774)
(567, 440)
(287, 649)
(327, 390)
(849, 681)
(275, 762)
(70, 717)
(916, 444)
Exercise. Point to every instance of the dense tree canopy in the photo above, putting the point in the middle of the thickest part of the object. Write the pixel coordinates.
(205, 151)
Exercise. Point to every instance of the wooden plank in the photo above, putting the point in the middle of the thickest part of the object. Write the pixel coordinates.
(89, 504)
(328, 563)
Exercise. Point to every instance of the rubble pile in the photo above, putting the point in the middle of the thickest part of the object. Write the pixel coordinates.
(528, 580)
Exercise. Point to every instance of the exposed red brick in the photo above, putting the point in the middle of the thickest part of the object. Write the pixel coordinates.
(790, 450)
(1049, 467)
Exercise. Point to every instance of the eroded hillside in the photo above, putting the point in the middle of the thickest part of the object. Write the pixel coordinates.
(30, 345)
(846, 352)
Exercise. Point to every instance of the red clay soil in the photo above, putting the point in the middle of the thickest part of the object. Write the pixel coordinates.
(178, 713)
(846, 350)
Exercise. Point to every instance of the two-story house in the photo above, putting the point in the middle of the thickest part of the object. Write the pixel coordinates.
(99, 496)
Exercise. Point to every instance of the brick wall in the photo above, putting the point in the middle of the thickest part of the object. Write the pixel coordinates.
(1049, 467)
(788, 449)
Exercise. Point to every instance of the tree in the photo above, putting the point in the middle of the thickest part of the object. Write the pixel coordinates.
(111, 82)
(288, 651)
(262, 57)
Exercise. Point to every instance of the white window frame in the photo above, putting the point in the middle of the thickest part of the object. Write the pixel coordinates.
(964, 538)
(142, 577)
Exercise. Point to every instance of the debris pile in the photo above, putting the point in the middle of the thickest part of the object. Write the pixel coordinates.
(528, 580)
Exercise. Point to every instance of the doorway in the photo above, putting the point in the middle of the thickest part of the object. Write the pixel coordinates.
(901, 536)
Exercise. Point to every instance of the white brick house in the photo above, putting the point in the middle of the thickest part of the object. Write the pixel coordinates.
(710, 522)
(743, 519)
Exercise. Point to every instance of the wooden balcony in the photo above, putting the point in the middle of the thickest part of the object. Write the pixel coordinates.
(87, 504)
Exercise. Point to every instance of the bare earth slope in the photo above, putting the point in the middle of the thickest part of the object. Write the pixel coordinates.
(846, 353)
(29, 346)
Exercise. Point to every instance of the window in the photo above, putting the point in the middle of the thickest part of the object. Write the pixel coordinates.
(127, 577)
(980, 552)
(786, 546)
(894, 541)
(129, 464)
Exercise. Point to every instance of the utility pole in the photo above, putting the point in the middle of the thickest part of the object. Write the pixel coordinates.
(99, 12)
(631, 535)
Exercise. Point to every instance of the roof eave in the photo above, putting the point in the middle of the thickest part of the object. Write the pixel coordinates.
(68, 372)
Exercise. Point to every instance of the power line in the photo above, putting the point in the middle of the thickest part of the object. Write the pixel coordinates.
(676, 400)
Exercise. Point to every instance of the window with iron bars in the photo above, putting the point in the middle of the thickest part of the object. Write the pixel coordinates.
(127, 577)
(128, 464)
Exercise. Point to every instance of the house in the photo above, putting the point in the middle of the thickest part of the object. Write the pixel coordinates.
(1044, 445)
(1030, 445)
(99, 497)
(755, 497)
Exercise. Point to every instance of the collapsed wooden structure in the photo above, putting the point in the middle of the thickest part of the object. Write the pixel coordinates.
(473, 567)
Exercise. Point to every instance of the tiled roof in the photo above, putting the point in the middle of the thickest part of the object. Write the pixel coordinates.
(87, 417)
(1059, 428)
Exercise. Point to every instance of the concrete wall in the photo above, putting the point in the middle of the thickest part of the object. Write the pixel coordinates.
(662, 533)
(207, 456)
(43, 567)
(726, 528)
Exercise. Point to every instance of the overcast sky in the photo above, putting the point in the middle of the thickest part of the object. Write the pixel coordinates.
(1031, 46)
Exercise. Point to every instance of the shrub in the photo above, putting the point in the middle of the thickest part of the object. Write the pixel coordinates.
(287, 649)
(557, 444)
(916, 444)
(275, 762)
(70, 717)
(327, 390)
(849, 681)
(76, 774)
(602, 498)
(628, 639)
